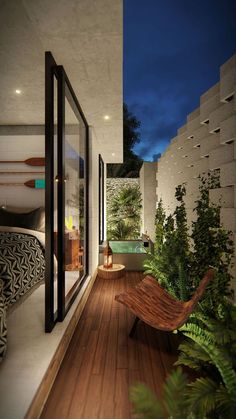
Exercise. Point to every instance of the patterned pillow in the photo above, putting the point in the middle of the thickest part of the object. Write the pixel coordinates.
(3, 322)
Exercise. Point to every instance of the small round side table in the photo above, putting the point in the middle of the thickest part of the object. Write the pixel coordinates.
(117, 271)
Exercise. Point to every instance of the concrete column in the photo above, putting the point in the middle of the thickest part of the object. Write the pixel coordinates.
(148, 191)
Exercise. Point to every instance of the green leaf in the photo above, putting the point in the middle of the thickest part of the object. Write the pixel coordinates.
(201, 395)
(146, 405)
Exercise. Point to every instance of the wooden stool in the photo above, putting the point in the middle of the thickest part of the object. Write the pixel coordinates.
(117, 271)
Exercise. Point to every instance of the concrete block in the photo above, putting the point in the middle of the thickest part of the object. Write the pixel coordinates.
(197, 135)
(228, 174)
(193, 122)
(194, 155)
(209, 94)
(228, 78)
(223, 196)
(182, 129)
(209, 143)
(193, 115)
(228, 129)
(221, 155)
(223, 111)
(228, 218)
(208, 106)
(201, 166)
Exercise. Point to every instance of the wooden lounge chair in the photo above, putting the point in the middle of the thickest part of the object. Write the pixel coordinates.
(155, 306)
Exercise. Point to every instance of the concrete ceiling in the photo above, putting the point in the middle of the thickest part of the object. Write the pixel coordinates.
(85, 36)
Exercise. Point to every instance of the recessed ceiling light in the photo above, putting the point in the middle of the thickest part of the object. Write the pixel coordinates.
(18, 91)
(113, 154)
(106, 117)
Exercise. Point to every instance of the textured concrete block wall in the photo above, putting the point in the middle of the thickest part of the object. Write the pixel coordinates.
(206, 142)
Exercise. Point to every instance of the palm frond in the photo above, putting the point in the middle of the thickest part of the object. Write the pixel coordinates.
(221, 360)
(201, 395)
(146, 405)
(173, 393)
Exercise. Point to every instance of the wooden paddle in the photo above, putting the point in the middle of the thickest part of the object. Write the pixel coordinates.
(33, 161)
(33, 183)
(21, 173)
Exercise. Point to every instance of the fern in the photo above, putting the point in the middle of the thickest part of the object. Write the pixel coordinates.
(172, 405)
(218, 357)
(192, 355)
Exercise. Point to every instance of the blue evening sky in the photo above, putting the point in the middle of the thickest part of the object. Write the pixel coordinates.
(172, 53)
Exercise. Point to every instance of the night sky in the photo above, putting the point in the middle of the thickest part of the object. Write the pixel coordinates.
(172, 53)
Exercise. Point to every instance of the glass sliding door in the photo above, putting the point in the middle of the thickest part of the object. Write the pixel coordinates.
(101, 198)
(71, 196)
(51, 196)
(75, 181)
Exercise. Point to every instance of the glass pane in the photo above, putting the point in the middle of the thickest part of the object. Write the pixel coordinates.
(55, 205)
(74, 235)
(101, 200)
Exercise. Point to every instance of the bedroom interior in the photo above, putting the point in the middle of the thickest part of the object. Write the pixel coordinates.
(32, 357)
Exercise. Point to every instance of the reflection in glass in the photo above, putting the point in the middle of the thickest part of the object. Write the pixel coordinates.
(101, 199)
(74, 169)
(55, 205)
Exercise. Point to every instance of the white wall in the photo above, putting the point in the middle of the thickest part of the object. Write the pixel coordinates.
(93, 201)
(148, 191)
(207, 141)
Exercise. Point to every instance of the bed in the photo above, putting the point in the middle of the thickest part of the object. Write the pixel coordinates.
(22, 261)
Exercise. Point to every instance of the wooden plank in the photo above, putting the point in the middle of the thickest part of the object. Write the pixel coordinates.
(92, 405)
(134, 379)
(122, 405)
(108, 385)
(122, 353)
(155, 352)
(80, 391)
(144, 358)
(102, 362)
(72, 364)
(41, 396)
(100, 355)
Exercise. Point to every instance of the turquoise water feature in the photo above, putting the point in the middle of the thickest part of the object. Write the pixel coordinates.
(129, 246)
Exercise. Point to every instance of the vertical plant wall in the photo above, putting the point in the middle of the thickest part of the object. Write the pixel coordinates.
(124, 213)
(181, 258)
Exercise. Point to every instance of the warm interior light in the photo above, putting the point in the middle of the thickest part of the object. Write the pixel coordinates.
(18, 91)
(113, 154)
(106, 117)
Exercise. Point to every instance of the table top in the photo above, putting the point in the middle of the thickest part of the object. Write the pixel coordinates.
(115, 267)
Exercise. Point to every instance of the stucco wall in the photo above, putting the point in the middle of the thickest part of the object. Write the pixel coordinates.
(148, 191)
(207, 141)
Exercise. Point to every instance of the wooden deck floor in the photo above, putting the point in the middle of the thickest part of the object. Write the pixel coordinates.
(102, 362)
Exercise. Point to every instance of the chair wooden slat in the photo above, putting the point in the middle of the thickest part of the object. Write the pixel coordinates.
(156, 307)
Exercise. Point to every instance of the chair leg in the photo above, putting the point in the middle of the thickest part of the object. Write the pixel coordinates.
(132, 331)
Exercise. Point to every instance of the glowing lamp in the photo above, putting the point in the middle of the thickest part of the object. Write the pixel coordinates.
(107, 257)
